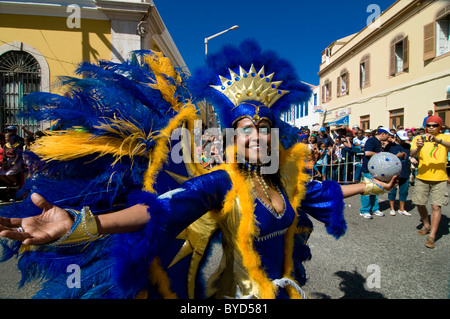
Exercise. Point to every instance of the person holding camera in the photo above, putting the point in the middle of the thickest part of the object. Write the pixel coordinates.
(431, 179)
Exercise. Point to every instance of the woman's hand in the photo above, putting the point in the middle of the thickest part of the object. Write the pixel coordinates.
(388, 186)
(51, 225)
(359, 188)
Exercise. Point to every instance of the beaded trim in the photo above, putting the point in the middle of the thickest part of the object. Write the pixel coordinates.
(79, 218)
(76, 222)
(269, 207)
(272, 235)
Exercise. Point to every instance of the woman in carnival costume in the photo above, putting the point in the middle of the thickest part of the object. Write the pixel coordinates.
(142, 226)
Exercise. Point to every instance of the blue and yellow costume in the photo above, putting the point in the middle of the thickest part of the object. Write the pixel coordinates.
(113, 150)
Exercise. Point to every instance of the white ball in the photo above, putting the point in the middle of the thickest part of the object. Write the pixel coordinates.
(384, 165)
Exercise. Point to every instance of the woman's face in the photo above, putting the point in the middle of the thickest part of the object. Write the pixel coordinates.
(253, 141)
(410, 135)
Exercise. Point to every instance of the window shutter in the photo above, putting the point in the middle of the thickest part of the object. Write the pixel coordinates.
(323, 94)
(367, 68)
(392, 60)
(329, 92)
(405, 53)
(347, 84)
(429, 41)
(338, 86)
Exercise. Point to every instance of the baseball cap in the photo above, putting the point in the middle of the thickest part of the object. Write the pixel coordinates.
(384, 129)
(11, 128)
(403, 135)
(323, 129)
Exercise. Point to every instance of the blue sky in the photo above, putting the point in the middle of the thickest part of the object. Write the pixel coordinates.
(298, 30)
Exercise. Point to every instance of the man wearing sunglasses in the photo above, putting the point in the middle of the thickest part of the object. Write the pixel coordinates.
(431, 180)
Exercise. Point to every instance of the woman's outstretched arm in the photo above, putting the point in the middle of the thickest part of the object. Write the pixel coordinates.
(181, 207)
(360, 188)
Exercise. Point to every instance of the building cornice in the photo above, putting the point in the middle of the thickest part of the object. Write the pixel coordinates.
(90, 9)
(48, 8)
(352, 47)
(121, 10)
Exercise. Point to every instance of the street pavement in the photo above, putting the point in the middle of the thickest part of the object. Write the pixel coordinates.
(378, 258)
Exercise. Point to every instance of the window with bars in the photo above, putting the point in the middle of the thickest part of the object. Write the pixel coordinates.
(20, 74)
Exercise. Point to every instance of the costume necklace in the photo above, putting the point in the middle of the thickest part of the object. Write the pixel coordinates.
(259, 177)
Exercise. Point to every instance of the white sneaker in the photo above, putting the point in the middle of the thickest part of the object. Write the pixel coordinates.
(404, 212)
(392, 212)
(378, 213)
(366, 215)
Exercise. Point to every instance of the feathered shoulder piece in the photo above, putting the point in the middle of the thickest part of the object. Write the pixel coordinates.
(114, 124)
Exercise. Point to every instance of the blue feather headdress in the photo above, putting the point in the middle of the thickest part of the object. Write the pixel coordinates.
(244, 81)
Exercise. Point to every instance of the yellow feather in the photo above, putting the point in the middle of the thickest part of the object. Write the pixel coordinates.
(297, 156)
(160, 279)
(161, 150)
(69, 145)
(162, 68)
(247, 231)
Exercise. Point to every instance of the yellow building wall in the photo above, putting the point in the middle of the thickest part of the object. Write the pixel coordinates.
(62, 47)
(414, 91)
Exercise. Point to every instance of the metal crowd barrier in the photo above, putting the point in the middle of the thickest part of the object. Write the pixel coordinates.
(345, 170)
(349, 169)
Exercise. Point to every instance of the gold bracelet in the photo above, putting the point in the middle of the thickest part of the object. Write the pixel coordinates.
(372, 188)
(83, 230)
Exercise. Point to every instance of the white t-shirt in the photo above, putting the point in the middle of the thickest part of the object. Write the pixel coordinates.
(358, 142)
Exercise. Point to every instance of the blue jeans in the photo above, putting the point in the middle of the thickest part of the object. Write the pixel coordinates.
(369, 203)
(358, 170)
(403, 186)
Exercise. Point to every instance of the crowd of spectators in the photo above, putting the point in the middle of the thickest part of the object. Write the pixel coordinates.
(13, 160)
(336, 154)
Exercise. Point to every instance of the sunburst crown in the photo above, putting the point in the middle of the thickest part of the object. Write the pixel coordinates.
(251, 85)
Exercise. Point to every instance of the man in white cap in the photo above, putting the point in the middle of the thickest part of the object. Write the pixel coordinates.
(369, 203)
(401, 149)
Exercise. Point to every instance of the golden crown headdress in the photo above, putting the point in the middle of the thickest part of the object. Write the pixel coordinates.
(251, 85)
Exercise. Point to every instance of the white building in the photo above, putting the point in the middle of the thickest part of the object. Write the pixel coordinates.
(306, 114)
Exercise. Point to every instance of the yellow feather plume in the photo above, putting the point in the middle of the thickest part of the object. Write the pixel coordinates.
(163, 69)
